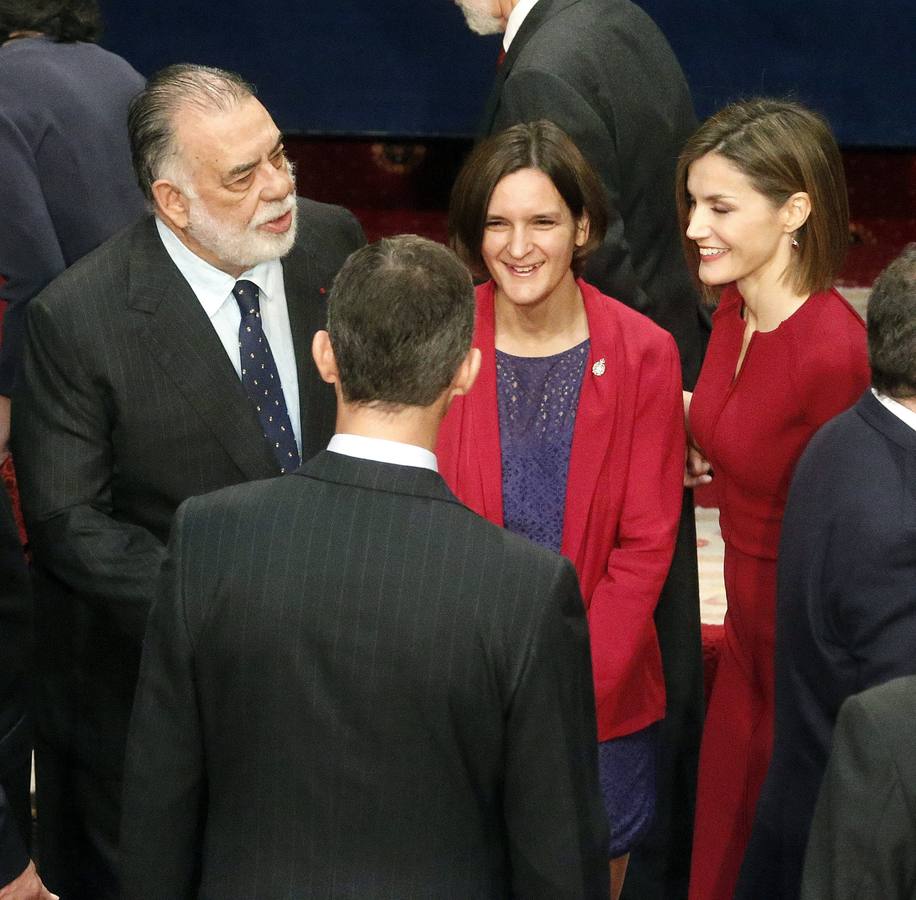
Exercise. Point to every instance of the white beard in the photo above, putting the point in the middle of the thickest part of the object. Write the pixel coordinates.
(479, 18)
(243, 246)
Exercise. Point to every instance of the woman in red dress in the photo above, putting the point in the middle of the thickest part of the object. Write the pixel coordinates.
(762, 200)
(571, 434)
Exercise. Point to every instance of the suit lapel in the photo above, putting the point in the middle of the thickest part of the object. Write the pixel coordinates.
(189, 352)
(297, 281)
(596, 417)
(482, 404)
(541, 11)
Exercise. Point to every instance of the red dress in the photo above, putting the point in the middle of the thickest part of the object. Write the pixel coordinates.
(753, 428)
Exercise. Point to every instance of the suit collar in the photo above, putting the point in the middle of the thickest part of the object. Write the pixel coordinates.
(377, 476)
(596, 416)
(882, 419)
(516, 19)
(298, 276)
(187, 348)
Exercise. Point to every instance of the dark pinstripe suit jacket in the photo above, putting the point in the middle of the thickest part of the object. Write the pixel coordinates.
(129, 405)
(353, 686)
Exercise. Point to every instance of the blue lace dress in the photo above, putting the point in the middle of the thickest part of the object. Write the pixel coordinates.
(537, 400)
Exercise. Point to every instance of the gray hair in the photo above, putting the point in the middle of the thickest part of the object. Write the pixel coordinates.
(151, 117)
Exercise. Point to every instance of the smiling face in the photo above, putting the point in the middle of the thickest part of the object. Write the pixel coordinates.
(741, 236)
(238, 207)
(529, 239)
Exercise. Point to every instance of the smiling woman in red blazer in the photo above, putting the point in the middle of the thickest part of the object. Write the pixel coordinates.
(574, 434)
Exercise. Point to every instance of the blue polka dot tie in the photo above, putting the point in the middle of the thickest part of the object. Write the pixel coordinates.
(261, 379)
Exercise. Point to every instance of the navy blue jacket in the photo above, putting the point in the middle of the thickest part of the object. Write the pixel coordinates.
(67, 184)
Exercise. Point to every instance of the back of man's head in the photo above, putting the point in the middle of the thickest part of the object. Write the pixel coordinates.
(400, 320)
(892, 328)
(150, 122)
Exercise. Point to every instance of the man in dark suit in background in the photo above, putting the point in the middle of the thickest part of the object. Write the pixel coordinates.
(67, 183)
(846, 600)
(603, 72)
(172, 361)
(863, 834)
(18, 879)
(353, 686)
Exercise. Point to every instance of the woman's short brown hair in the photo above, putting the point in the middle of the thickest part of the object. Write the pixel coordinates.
(783, 148)
(534, 145)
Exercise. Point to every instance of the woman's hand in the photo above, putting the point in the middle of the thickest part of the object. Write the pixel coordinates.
(697, 469)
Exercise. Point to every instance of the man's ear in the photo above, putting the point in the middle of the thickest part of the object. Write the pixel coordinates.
(466, 375)
(325, 361)
(171, 203)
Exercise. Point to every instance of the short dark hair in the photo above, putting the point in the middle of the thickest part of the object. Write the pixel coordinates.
(783, 148)
(150, 119)
(400, 318)
(60, 20)
(535, 145)
(892, 328)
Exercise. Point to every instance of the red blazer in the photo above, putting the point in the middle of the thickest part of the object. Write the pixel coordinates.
(623, 493)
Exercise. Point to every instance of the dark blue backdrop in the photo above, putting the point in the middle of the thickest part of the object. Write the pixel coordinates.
(410, 67)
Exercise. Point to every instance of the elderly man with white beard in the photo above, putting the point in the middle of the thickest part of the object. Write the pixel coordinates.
(172, 361)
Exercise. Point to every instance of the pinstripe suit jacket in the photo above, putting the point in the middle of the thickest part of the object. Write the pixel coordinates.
(353, 686)
(129, 405)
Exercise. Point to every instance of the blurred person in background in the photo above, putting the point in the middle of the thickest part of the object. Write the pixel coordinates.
(67, 181)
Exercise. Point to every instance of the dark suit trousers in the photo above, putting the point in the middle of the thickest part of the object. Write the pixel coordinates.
(660, 866)
(77, 830)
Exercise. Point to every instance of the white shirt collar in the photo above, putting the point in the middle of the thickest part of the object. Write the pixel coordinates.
(212, 286)
(514, 22)
(904, 413)
(381, 450)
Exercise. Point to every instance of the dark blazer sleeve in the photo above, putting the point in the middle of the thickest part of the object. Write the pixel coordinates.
(529, 94)
(30, 254)
(164, 780)
(13, 858)
(62, 443)
(551, 777)
(862, 834)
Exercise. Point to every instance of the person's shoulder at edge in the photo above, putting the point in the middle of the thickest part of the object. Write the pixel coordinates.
(106, 259)
(640, 329)
(830, 339)
(317, 217)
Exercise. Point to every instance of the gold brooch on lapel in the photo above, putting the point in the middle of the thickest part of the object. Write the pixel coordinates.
(599, 368)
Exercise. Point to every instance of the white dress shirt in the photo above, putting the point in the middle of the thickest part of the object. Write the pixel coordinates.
(213, 288)
(514, 22)
(904, 413)
(381, 450)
